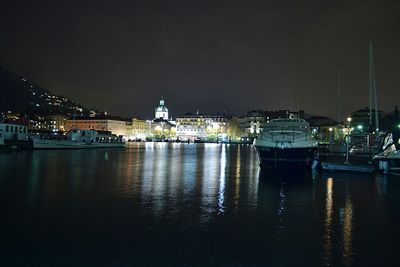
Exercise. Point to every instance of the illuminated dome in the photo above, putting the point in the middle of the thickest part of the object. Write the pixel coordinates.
(161, 111)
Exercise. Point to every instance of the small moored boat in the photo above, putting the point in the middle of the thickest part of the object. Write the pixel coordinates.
(388, 159)
(81, 139)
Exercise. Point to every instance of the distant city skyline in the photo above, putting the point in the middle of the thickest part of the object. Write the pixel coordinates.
(227, 56)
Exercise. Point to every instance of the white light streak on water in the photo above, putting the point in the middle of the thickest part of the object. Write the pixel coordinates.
(221, 191)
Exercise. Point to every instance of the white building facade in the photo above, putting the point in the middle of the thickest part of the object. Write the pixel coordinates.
(192, 127)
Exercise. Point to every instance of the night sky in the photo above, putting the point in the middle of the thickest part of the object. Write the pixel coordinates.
(215, 56)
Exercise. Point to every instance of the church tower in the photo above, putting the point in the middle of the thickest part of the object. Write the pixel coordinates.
(161, 112)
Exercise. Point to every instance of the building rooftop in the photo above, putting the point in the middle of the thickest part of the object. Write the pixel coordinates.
(366, 109)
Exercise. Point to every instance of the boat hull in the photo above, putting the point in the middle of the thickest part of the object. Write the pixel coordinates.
(280, 157)
(67, 144)
(388, 162)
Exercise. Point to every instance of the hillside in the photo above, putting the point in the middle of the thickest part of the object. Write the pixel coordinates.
(21, 95)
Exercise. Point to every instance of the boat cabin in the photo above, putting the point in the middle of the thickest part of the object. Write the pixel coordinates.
(12, 132)
(92, 136)
(1, 138)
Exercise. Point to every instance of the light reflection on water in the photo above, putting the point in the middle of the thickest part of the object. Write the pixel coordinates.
(173, 174)
(347, 222)
(200, 195)
(328, 220)
(221, 190)
(237, 179)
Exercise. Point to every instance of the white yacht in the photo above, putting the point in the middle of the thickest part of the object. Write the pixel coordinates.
(388, 159)
(286, 141)
(83, 139)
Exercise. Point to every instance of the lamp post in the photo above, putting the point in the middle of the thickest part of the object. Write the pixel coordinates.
(348, 140)
(330, 139)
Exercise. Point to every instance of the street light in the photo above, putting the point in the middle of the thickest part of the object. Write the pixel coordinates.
(330, 139)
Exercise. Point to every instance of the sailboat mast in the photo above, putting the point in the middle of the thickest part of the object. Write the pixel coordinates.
(339, 85)
(370, 82)
(372, 85)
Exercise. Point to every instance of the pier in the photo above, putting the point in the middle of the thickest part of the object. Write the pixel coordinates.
(336, 162)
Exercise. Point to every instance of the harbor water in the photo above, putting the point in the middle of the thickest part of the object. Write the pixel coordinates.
(160, 204)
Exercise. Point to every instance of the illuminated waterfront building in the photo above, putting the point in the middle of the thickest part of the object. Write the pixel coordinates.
(163, 129)
(57, 122)
(113, 125)
(253, 123)
(47, 123)
(140, 129)
(192, 127)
